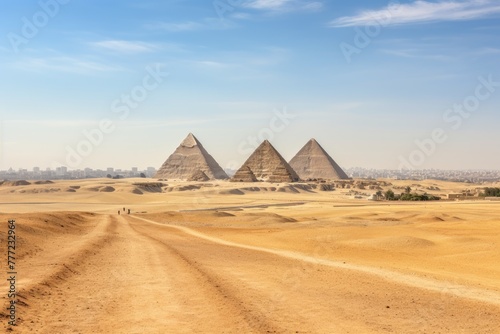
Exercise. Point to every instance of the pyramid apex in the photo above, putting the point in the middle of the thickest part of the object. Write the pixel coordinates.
(265, 143)
(190, 141)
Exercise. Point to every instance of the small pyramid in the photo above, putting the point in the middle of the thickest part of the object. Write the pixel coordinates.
(199, 176)
(313, 162)
(266, 164)
(245, 174)
(188, 160)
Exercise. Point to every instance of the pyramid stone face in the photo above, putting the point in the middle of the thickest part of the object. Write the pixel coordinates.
(189, 161)
(266, 164)
(313, 162)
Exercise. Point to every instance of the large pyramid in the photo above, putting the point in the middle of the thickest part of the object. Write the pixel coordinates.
(191, 161)
(265, 164)
(312, 162)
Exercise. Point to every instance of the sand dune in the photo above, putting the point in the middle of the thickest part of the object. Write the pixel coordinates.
(15, 183)
(44, 182)
(389, 243)
(232, 192)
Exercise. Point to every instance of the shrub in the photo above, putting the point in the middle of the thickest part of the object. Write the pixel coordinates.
(390, 196)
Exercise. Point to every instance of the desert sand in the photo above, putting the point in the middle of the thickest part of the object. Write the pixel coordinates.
(223, 257)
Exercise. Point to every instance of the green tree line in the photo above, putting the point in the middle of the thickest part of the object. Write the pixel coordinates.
(408, 196)
(491, 192)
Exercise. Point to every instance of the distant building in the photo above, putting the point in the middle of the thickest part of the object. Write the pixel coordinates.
(150, 171)
(455, 196)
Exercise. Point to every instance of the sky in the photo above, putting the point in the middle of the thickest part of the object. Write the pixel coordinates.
(408, 84)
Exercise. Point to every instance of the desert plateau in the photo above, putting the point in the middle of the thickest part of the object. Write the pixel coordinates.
(225, 257)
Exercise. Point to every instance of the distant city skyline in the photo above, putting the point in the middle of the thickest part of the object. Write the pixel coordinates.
(35, 173)
(96, 84)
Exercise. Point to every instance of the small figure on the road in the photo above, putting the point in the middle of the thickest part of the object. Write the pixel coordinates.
(128, 211)
(118, 211)
(123, 209)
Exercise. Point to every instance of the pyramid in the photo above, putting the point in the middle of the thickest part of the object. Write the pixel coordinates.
(199, 176)
(245, 174)
(265, 164)
(312, 162)
(189, 161)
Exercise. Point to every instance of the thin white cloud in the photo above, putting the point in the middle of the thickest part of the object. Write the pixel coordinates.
(213, 64)
(268, 56)
(267, 4)
(204, 24)
(413, 53)
(54, 123)
(421, 12)
(488, 51)
(284, 5)
(125, 46)
(64, 64)
(241, 16)
(176, 26)
(265, 57)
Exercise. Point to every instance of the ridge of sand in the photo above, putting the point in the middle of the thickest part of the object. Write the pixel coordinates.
(461, 291)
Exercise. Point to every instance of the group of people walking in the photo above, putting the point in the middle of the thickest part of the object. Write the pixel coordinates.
(124, 209)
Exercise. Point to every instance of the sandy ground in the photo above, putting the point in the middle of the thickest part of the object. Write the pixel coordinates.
(241, 258)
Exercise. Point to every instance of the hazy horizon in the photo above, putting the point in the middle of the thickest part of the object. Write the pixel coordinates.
(379, 86)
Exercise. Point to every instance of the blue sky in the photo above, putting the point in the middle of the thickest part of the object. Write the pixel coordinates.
(369, 79)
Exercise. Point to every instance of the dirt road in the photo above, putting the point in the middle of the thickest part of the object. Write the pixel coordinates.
(128, 275)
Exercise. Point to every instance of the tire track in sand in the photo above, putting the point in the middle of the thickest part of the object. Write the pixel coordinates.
(118, 280)
(461, 291)
(219, 295)
(44, 296)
